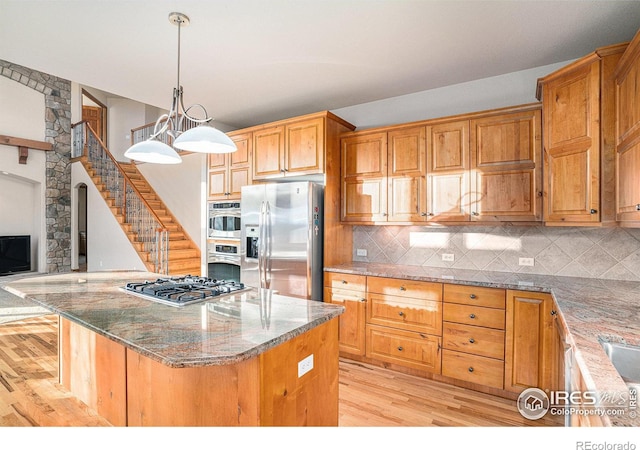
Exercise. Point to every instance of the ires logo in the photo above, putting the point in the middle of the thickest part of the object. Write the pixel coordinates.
(534, 403)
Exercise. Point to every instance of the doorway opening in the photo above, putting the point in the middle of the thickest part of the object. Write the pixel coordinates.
(82, 228)
(95, 113)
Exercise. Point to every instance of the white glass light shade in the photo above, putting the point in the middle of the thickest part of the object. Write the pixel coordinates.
(153, 151)
(205, 139)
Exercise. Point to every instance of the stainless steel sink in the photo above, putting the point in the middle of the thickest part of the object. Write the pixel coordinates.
(626, 360)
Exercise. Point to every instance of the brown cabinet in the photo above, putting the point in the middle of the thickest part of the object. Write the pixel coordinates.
(448, 171)
(404, 322)
(579, 124)
(228, 172)
(529, 341)
(506, 171)
(292, 148)
(628, 135)
(473, 335)
(476, 167)
(349, 291)
(364, 172)
(406, 172)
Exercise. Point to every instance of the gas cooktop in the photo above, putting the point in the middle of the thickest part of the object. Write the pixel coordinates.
(182, 291)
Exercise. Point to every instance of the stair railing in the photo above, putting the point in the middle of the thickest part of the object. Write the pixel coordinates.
(149, 229)
(144, 132)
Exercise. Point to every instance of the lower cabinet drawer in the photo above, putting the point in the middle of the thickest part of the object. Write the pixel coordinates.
(410, 349)
(475, 340)
(472, 368)
(474, 315)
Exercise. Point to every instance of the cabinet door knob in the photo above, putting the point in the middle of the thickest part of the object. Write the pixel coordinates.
(425, 214)
(400, 313)
(362, 299)
(472, 316)
(402, 288)
(475, 213)
(400, 349)
(594, 211)
(472, 296)
(430, 214)
(470, 369)
(638, 207)
(344, 281)
(554, 312)
(472, 340)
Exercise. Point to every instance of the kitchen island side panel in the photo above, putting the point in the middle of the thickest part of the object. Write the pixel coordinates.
(158, 395)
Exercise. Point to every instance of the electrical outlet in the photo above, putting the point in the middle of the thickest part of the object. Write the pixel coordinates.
(448, 257)
(361, 252)
(305, 365)
(525, 261)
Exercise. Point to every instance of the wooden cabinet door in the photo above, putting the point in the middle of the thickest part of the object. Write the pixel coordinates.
(407, 199)
(305, 147)
(628, 134)
(363, 174)
(228, 172)
(572, 146)
(240, 165)
(268, 153)
(529, 336)
(506, 169)
(448, 171)
(351, 329)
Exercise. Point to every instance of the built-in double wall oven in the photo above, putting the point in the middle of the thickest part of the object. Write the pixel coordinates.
(223, 244)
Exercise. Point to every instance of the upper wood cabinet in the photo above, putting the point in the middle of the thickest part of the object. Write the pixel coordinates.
(578, 115)
(228, 172)
(295, 148)
(364, 170)
(628, 135)
(477, 167)
(448, 171)
(506, 172)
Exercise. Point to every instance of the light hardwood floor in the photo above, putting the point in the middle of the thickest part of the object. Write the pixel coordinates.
(369, 396)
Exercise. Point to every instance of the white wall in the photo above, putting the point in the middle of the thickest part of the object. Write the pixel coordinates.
(181, 188)
(123, 115)
(108, 247)
(516, 88)
(22, 185)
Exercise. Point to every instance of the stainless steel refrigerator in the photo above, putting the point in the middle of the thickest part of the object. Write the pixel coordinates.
(281, 244)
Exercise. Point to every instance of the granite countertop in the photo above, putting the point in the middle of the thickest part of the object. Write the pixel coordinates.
(594, 310)
(226, 330)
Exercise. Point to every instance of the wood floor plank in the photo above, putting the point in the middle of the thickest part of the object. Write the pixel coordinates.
(369, 396)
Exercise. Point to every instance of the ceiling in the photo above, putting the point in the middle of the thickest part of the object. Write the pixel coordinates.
(255, 61)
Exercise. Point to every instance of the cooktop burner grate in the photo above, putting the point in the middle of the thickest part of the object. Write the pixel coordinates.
(181, 291)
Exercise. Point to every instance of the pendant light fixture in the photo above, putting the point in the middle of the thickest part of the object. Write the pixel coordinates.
(202, 138)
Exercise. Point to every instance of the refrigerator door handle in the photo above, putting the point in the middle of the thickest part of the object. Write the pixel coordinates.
(268, 244)
(261, 243)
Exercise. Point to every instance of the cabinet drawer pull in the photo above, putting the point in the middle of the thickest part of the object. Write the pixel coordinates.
(402, 288)
(344, 281)
(472, 340)
(472, 296)
(470, 369)
(472, 316)
(400, 349)
(400, 313)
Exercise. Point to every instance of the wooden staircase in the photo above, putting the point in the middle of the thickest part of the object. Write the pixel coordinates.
(184, 255)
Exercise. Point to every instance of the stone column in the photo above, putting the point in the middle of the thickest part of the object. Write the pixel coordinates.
(57, 110)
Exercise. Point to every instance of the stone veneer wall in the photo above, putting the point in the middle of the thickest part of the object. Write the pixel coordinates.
(57, 108)
(610, 253)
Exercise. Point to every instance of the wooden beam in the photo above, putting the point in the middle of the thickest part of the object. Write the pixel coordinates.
(20, 142)
(24, 145)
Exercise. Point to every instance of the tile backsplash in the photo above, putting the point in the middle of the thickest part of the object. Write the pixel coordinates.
(610, 253)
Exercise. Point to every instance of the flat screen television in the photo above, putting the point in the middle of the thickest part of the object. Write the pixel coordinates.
(15, 254)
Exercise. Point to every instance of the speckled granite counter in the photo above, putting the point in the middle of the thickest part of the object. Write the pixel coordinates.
(222, 331)
(593, 310)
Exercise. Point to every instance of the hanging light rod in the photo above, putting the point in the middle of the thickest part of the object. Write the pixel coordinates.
(186, 131)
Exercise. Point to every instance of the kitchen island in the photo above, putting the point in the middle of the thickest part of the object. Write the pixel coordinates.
(253, 358)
